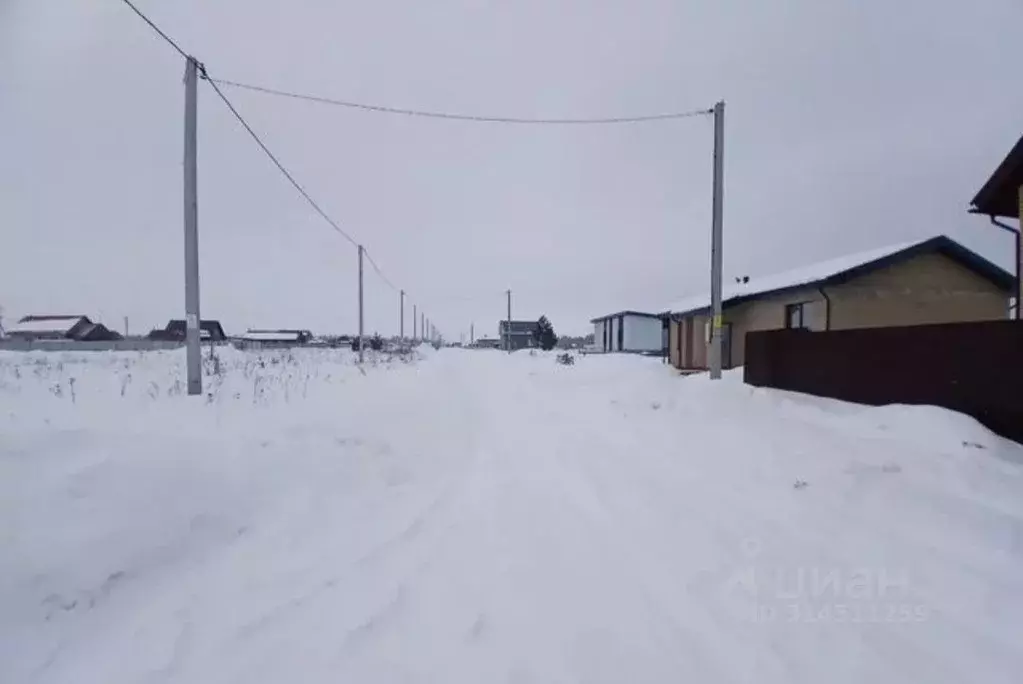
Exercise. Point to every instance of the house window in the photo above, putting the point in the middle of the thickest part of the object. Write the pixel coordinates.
(794, 316)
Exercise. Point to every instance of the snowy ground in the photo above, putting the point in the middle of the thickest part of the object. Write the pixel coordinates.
(475, 517)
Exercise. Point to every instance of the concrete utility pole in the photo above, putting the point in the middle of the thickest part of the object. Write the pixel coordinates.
(422, 326)
(507, 330)
(192, 317)
(415, 317)
(401, 308)
(716, 240)
(362, 340)
(125, 326)
(472, 333)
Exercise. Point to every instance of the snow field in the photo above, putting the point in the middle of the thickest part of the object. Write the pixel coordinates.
(474, 516)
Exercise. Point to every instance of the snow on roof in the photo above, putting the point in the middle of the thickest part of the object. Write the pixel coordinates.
(272, 336)
(805, 275)
(60, 324)
(642, 313)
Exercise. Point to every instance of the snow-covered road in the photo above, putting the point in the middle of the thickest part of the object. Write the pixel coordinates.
(477, 517)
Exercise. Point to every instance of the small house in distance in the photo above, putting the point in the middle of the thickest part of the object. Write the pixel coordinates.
(487, 343)
(522, 334)
(209, 331)
(936, 280)
(630, 331)
(275, 338)
(76, 328)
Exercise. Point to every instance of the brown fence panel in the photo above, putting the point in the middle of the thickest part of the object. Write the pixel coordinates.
(974, 368)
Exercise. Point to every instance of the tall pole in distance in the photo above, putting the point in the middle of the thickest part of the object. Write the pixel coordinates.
(472, 333)
(401, 308)
(507, 329)
(362, 338)
(422, 326)
(716, 241)
(193, 355)
(415, 317)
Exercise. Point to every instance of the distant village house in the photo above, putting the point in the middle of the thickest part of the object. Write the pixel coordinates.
(77, 328)
(520, 334)
(487, 343)
(209, 331)
(630, 331)
(275, 338)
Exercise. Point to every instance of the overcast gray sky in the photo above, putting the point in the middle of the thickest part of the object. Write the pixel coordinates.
(851, 124)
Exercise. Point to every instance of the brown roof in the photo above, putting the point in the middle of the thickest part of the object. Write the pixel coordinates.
(1000, 194)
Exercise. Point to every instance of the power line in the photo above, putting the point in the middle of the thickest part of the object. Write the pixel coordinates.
(379, 272)
(382, 109)
(385, 110)
(156, 28)
(277, 162)
(467, 117)
(244, 123)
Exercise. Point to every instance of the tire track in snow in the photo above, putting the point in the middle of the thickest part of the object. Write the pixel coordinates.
(410, 555)
(698, 625)
(541, 527)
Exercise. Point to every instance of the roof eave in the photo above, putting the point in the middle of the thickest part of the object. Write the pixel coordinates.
(630, 312)
(999, 196)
